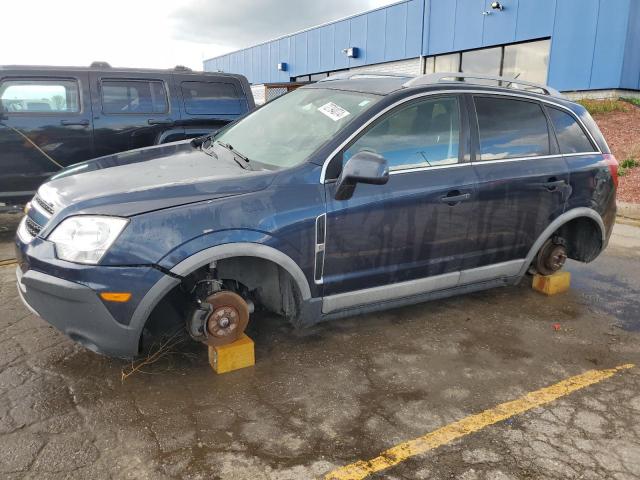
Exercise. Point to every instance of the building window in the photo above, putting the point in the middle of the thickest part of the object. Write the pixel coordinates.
(486, 61)
(525, 61)
(447, 63)
(529, 61)
(318, 76)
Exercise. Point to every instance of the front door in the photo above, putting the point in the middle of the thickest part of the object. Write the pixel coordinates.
(413, 227)
(523, 181)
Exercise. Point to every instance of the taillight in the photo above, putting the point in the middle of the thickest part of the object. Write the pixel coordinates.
(612, 163)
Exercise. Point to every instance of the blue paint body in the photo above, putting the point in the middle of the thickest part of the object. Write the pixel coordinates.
(180, 202)
(594, 42)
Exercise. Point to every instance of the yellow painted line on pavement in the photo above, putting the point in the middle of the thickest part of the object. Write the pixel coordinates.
(395, 455)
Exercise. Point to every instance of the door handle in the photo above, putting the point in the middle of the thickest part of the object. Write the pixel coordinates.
(82, 123)
(455, 197)
(553, 185)
(158, 121)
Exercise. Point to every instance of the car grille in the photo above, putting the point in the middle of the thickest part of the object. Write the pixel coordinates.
(46, 206)
(32, 227)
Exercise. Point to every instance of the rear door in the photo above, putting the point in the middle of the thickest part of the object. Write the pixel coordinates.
(523, 181)
(45, 125)
(130, 110)
(209, 102)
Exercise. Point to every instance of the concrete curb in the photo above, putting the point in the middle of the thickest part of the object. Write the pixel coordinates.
(629, 210)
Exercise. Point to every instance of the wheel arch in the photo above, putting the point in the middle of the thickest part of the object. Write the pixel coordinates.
(574, 214)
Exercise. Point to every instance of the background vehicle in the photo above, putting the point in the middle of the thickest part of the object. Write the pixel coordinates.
(347, 196)
(52, 117)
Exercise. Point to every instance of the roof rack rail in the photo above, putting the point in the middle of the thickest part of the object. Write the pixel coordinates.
(505, 82)
(354, 75)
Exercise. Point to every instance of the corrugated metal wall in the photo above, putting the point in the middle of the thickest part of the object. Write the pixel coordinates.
(595, 43)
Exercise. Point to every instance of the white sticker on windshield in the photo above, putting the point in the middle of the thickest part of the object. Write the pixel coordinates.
(333, 111)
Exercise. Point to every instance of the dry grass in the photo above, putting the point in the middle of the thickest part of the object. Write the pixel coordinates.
(157, 352)
(595, 107)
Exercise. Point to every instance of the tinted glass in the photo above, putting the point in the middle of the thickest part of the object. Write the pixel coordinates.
(447, 63)
(485, 61)
(570, 135)
(40, 96)
(511, 128)
(133, 97)
(527, 61)
(207, 98)
(423, 134)
(285, 131)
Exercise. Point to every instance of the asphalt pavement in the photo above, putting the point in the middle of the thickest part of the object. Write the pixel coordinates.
(345, 391)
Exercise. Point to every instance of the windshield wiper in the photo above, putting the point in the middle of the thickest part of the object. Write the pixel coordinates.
(233, 150)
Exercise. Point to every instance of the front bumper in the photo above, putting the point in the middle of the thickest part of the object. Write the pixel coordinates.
(77, 311)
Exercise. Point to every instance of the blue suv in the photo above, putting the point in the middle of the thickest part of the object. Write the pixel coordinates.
(354, 194)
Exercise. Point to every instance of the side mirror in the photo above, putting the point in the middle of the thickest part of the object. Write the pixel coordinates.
(363, 167)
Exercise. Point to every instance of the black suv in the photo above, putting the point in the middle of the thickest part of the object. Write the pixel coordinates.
(52, 117)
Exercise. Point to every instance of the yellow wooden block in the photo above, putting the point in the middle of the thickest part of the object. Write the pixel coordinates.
(559, 282)
(233, 356)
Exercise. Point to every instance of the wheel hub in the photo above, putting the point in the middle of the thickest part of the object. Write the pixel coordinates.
(228, 318)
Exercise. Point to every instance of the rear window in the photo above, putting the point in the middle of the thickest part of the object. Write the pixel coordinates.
(210, 98)
(40, 96)
(511, 129)
(134, 97)
(570, 135)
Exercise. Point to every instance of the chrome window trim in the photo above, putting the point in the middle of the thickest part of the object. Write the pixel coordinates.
(332, 155)
(435, 167)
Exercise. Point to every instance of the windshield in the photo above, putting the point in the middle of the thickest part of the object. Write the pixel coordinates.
(287, 130)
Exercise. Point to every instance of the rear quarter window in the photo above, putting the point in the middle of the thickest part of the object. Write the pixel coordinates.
(511, 128)
(570, 135)
(211, 98)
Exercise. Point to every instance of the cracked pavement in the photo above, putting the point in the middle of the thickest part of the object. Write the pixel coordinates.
(344, 391)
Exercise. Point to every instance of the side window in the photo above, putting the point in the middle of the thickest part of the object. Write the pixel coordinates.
(423, 134)
(40, 96)
(570, 135)
(511, 128)
(210, 98)
(134, 97)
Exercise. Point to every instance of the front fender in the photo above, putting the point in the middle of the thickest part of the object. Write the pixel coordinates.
(241, 243)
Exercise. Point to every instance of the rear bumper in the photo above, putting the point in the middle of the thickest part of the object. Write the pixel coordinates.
(77, 311)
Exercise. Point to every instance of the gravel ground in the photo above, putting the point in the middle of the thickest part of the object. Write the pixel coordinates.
(622, 131)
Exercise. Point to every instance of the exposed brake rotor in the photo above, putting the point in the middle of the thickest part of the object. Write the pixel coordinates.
(228, 318)
(551, 258)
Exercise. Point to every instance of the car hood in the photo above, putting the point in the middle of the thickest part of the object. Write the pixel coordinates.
(150, 178)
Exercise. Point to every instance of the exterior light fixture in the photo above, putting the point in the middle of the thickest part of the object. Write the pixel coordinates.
(494, 6)
(282, 67)
(351, 52)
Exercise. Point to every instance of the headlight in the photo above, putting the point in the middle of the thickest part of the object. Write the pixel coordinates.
(85, 239)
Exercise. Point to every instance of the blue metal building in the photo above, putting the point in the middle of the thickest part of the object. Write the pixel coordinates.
(573, 45)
